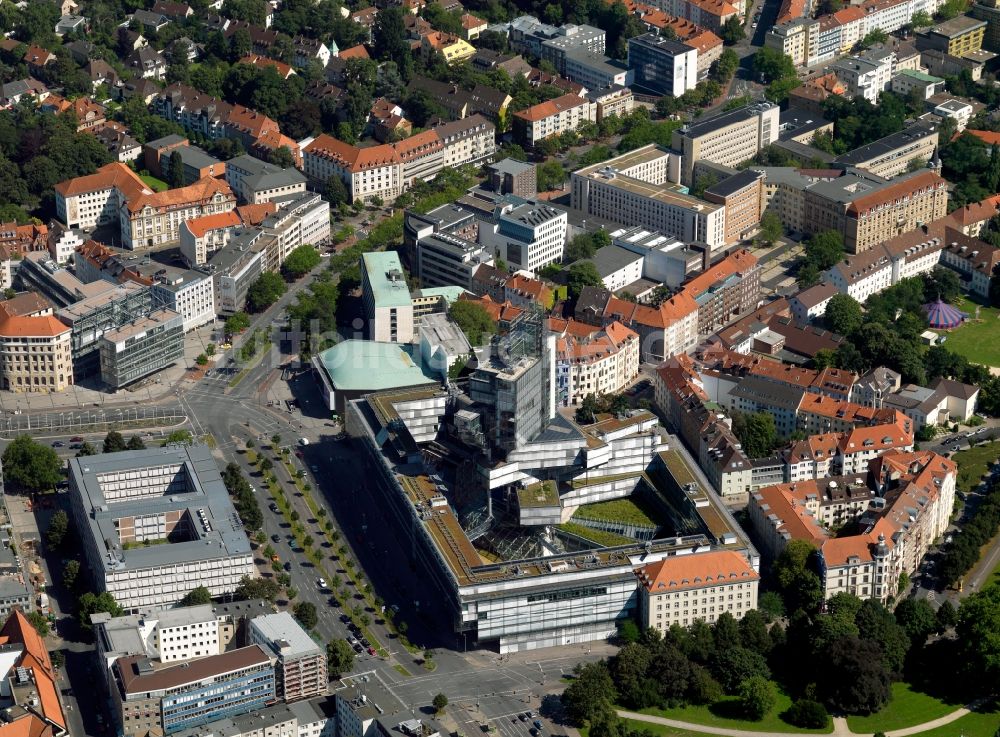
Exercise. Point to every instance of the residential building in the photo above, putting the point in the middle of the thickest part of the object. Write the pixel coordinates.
(616, 100)
(314, 718)
(956, 36)
(141, 348)
(529, 236)
(254, 181)
(989, 11)
(872, 388)
(811, 94)
(471, 140)
(147, 63)
(201, 237)
(386, 298)
(421, 157)
(189, 293)
(728, 289)
(179, 500)
(975, 260)
(960, 112)
(598, 362)
(445, 260)
(729, 139)
(32, 694)
(797, 38)
(943, 402)
(235, 267)
(710, 14)
(265, 62)
(195, 163)
(35, 349)
(150, 700)
(912, 82)
(618, 267)
(511, 176)
(454, 48)
(662, 65)
(119, 142)
(809, 305)
(634, 189)
(863, 77)
(300, 669)
(894, 154)
(818, 413)
(683, 589)
(742, 195)
(553, 117)
(154, 219)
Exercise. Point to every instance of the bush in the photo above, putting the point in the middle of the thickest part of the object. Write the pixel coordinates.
(807, 714)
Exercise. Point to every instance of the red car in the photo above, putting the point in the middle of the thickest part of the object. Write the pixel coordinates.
(371, 651)
(76, 439)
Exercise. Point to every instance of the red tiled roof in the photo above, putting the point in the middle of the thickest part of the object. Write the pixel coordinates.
(351, 157)
(201, 191)
(680, 572)
(200, 226)
(355, 52)
(551, 107)
(110, 175)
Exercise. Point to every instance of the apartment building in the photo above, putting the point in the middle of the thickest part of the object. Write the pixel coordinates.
(171, 496)
(529, 35)
(797, 38)
(141, 348)
(956, 36)
(303, 220)
(235, 267)
(862, 77)
(202, 237)
(421, 157)
(594, 71)
(300, 664)
(150, 700)
(809, 305)
(728, 139)
(367, 173)
(893, 155)
(595, 362)
(386, 298)
(725, 290)
(154, 219)
(868, 213)
(683, 589)
(710, 14)
(35, 351)
(662, 65)
(742, 195)
(975, 260)
(32, 696)
(254, 181)
(633, 189)
(470, 140)
(529, 236)
(89, 201)
(618, 101)
(553, 117)
(194, 162)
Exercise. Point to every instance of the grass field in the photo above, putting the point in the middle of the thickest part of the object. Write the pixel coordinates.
(974, 463)
(978, 724)
(977, 341)
(658, 729)
(906, 709)
(718, 715)
(607, 539)
(617, 510)
(157, 185)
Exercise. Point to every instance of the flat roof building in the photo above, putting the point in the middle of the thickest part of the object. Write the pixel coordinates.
(730, 138)
(386, 298)
(892, 155)
(156, 523)
(141, 348)
(300, 667)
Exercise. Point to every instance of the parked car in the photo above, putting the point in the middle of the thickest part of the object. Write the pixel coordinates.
(58, 444)
(76, 439)
(276, 538)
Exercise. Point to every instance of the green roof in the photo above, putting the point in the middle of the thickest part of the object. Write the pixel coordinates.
(364, 365)
(386, 279)
(449, 293)
(920, 76)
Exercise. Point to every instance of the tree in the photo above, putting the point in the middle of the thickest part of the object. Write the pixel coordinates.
(771, 228)
(201, 359)
(58, 526)
(29, 466)
(339, 658)
(70, 574)
(582, 274)
(474, 320)
(824, 249)
(946, 616)
(736, 664)
(178, 437)
(876, 624)
(843, 314)
(389, 40)
(757, 433)
(114, 442)
(176, 173)
(265, 291)
(726, 632)
(91, 603)
(854, 678)
(757, 697)
(942, 283)
(807, 714)
(39, 622)
(978, 632)
(440, 702)
(135, 443)
(753, 632)
(257, 588)
(197, 595)
(336, 192)
(795, 579)
(237, 323)
(873, 38)
(770, 65)
(732, 31)
(917, 618)
(300, 262)
(551, 175)
(305, 612)
(590, 691)
(86, 449)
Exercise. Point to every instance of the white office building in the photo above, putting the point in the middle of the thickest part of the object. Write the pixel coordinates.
(530, 236)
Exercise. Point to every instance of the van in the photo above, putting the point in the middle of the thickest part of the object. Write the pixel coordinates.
(303, 442)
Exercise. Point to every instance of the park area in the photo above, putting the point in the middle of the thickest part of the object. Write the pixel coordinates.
(973, 464)
(977, 340)
(157, 185)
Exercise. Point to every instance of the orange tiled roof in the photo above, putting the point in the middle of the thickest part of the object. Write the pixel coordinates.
(417, 145)
(200, 226)
(849, 15)
(46, 326)
(351, 157)
(18, 629)
(990, 138)
(734, 263)
(201, 191)
(469, 21)
(551, 107)
(896, 190)
(355, 52)
(110, 175)
(257, 213)
(256, 60)
(680, 572)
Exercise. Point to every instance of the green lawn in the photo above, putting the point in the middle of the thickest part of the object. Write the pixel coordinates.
(157, 185)
(657, 729)
(977, 341)
(617, 510)
(978, 724)
(973, 464)
(906, 709)
(601, 537)
(716, 715)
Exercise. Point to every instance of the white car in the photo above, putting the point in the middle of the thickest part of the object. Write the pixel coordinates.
(321, 583)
